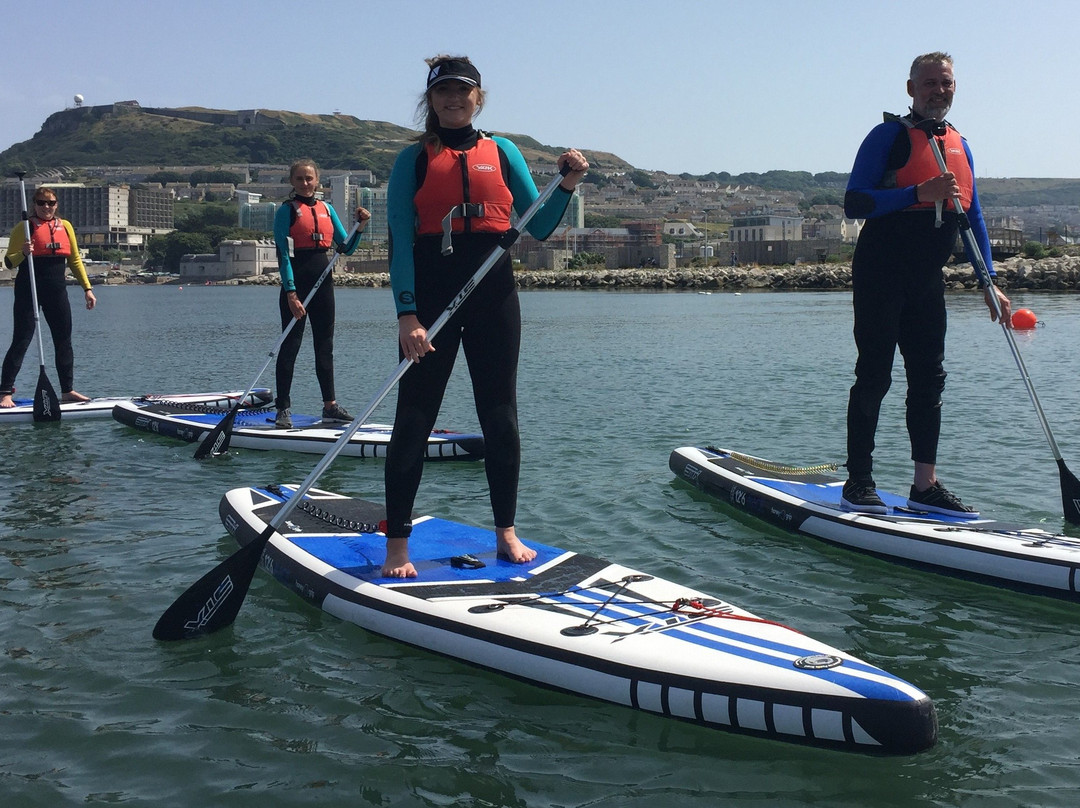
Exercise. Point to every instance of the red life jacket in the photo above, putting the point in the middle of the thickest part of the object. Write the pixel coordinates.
(922, 165)
(472, 178)
(49, 237)
(311, 228)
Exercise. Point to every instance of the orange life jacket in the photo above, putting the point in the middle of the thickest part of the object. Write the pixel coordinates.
(922, 165)
(311, 228)
(49, 237)
(472, 179)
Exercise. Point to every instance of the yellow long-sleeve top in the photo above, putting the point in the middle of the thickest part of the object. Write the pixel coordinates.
(16, 256)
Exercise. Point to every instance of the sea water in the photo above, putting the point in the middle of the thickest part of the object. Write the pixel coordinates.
(101, 527)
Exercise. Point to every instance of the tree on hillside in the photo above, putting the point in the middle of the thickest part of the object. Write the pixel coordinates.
(601, 220)
(642, 179)
(166, 251)
(206, 215)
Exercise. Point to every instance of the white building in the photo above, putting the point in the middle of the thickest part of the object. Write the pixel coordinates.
(234, 259)
(766, 227)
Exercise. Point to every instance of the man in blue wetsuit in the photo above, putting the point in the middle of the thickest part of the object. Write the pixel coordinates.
(898, 295)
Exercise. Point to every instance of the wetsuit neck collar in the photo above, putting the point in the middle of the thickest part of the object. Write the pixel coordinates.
(465, 136)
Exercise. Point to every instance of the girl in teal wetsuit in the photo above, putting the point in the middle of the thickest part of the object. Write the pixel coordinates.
(305, 230)
(455, 189)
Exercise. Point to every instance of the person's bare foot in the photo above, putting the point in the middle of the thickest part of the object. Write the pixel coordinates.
(397, 564)
(7, 401)
(73, 397)
(510, 547)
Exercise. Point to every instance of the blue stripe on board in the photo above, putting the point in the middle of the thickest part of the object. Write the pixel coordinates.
(838, 675)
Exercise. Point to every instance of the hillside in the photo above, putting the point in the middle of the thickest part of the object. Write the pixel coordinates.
(126, 134)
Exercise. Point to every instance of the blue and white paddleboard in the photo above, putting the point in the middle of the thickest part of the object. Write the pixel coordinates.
(584, 625)
(254, 429)
(806, 501)
(23, 411)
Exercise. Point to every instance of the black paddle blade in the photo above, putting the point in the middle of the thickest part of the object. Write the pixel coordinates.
(1070, 493)
(46, 402)
(213, 601)
(217, 439)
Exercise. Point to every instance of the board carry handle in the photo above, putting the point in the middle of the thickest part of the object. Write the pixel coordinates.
(216, 441)
(213, 602)
(1070, 485)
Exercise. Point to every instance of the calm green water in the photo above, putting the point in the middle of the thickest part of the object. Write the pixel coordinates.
(101, 527)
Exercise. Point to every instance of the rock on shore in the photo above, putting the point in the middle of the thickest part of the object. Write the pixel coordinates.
(1046, 274)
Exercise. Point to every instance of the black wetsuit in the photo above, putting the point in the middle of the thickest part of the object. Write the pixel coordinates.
(487, 325)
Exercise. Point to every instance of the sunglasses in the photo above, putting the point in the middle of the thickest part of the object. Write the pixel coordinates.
(45, 203)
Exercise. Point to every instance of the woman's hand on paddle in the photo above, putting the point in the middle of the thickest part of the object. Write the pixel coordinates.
(363, 216)
(296, 305)
(1006, 305)
(412, 337)
(578, 166)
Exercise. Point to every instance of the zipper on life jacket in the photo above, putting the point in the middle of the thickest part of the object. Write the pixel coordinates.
(464, 159)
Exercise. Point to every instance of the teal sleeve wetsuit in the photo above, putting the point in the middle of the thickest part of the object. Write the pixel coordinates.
(299, 273)
(487, 326)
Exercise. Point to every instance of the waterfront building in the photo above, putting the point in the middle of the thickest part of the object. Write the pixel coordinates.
(111, 217)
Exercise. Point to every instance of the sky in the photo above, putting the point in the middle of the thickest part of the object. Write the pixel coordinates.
(679, 86)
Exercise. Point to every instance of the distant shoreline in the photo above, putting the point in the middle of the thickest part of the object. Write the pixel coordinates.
(1060, 274)
(1046, 274)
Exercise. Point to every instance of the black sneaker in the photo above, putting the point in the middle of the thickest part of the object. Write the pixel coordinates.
(283, 419)
(939, 499)
(335, 412)
(861, 495)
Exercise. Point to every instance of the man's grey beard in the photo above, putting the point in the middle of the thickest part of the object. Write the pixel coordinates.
(935, 113)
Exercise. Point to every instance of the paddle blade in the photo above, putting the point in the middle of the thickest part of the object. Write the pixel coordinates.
(1070, 493)
(213, 601)
(46, 402)
(216, 441)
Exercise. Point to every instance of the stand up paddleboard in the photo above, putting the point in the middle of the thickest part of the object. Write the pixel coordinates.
(23, 411)
(254, 429)
(583, 625)
(806, 501)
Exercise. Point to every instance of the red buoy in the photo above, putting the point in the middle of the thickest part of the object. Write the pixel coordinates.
(1024, 319)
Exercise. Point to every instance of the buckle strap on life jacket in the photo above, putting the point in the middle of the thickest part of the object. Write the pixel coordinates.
(463, 211)
(939, 205)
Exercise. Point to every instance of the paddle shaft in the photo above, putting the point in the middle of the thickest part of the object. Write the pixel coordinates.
(505, 242)
(1070, 485)
(29, 246)
(985, 277)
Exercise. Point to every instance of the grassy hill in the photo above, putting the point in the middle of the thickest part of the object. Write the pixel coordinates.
(129, 135)
(1026, 192)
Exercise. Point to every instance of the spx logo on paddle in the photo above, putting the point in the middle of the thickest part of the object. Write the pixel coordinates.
(455, 304)
(221, 594)
(46, 404)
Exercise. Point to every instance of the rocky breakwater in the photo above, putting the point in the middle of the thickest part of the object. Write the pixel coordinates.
(1045, 274)
(1048, 274)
